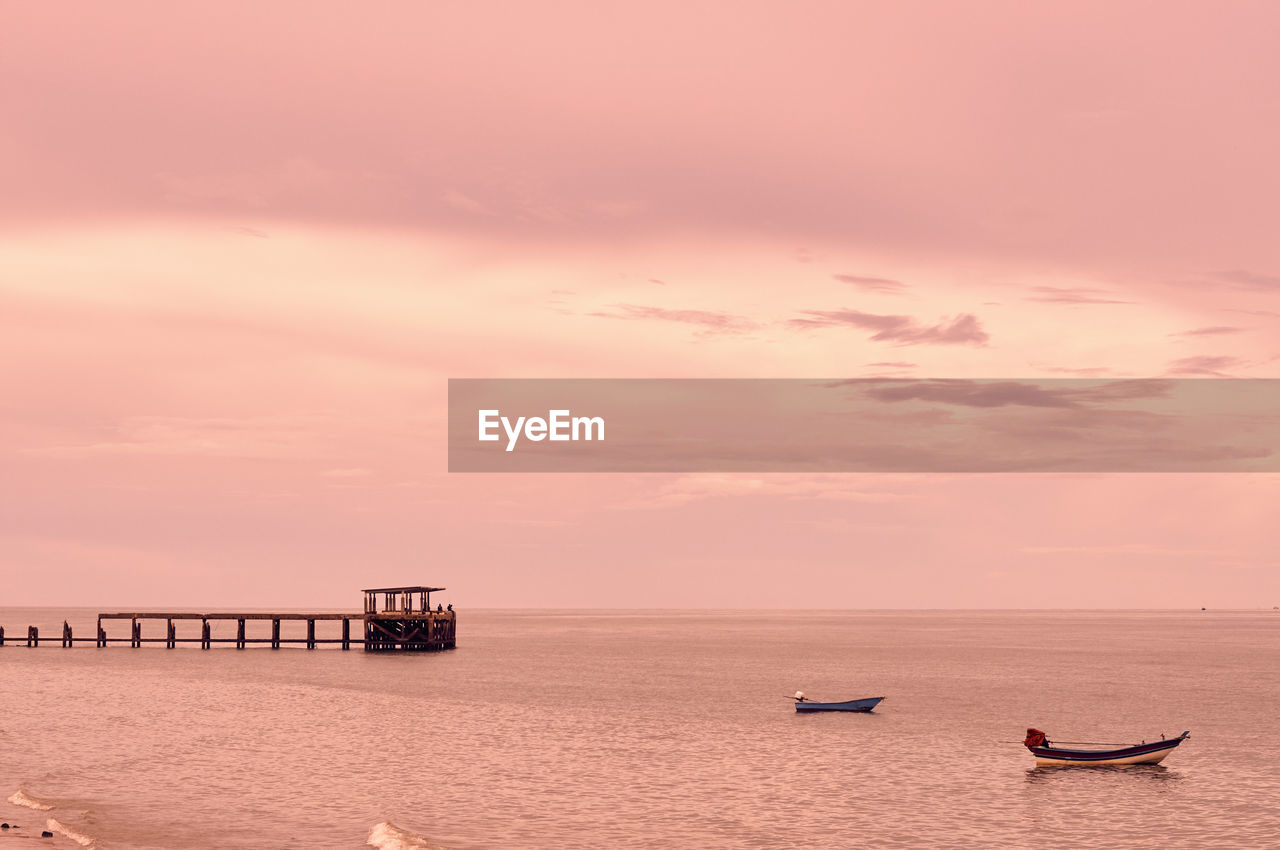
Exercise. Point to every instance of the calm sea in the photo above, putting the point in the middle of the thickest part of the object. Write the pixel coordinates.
(651, 729)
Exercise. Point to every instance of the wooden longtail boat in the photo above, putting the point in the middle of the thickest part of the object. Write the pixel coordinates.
(1048, 754)
(804, 704)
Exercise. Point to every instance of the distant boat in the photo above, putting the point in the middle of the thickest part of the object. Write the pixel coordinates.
(1047, 753)
(804, 704)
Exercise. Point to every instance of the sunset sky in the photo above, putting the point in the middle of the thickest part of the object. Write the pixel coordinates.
(244, 246)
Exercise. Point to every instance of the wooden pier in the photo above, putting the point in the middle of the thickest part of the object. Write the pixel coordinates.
(394, 618)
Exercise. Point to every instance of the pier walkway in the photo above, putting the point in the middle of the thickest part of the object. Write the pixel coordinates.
(394, 619)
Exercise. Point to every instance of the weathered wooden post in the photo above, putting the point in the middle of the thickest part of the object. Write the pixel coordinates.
(171, 639)
(1, 635)
(311, 634)
(346, 634)
(33, 636)
(240, 633)
(135, 638)
(205, 638)
(66, 634)
(102, 634)
(275, 633)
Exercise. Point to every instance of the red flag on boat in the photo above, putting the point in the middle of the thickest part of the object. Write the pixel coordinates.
(1035, 738)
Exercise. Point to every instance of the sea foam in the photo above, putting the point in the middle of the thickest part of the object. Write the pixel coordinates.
(78, 837)
(388, 836)
(20, 798)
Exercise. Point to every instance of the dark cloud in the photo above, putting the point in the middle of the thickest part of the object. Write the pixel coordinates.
(964, 329)
(556, 160)
(872, 284)
(974, 394)
(1057, 393)
(709, 321)
(1072, 295)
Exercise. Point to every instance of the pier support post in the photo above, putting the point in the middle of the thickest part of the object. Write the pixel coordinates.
(66, 634)
(311, 634)
(171, 637)
(205, 641)
(240, 633)
(1, 635)
(33, 636)
(275, 633)
(136, 640)
(102, 634)
(346, 634)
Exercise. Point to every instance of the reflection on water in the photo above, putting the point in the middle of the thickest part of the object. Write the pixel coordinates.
(585, 730)
(1138, 772)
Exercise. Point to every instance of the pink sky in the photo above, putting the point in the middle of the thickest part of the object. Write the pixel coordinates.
(243, 247)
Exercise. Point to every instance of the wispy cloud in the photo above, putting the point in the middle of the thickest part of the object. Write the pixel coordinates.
(1082, 371)
(698, 486)
(894, 364)
(873, 284)
(1215, 330)
(964, 329)
(249, 437)
(1249, 280)
(347, 472)
(1205, 364)
(464, 203)
(1072, 295)
(1271, 314)
(243, 230)
(710, 321)
(1122, 549)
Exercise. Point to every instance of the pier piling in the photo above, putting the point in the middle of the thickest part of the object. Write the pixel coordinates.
(33, 636)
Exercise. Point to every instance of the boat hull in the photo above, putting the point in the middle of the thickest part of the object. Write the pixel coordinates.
(848, 705)
(1152, 753)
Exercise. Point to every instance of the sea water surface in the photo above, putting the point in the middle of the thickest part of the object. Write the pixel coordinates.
(585, 729)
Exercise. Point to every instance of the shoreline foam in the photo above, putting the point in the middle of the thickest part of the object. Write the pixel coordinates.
(21, 798)
(388, 836)
(61, 828)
